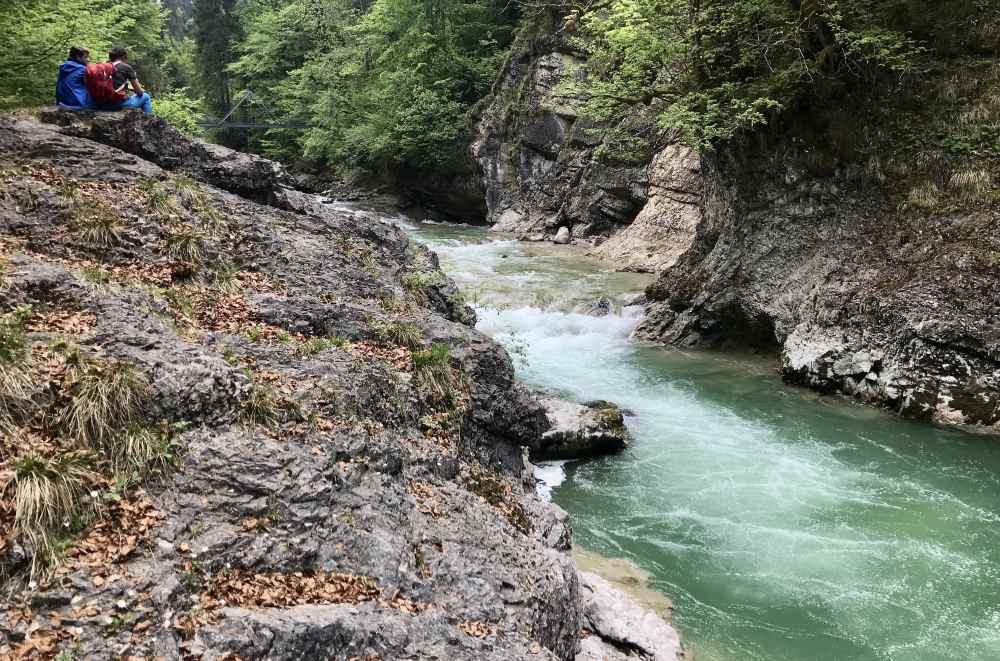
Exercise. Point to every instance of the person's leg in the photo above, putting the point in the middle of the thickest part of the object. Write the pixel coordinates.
(145, 102)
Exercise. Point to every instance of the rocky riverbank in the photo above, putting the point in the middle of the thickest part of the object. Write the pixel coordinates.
(335, 459)
(769, 244)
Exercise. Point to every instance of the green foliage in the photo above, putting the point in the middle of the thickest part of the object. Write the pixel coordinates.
(389, 88)
(713, 69)
(216, 31)
(182, 111)
(13, 347)
(37, 36)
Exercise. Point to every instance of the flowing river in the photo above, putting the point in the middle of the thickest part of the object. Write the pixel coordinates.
(783, 525)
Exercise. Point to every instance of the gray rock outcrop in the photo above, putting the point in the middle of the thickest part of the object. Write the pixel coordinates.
(577, 431)
(360, 469)
(537, 155)
(620, 630)
(850, 295)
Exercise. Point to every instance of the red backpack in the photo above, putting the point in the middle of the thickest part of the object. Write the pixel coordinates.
(100, 82)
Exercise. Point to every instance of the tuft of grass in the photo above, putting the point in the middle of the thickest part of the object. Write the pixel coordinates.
(104, 399)
(99, 227)
(158, 199)
(189, 192)
(224, 275)
(186, 245)
(15, 379)
(434, 377)
(180, 300)
(139, 450)
(925, 196)
(972, 185)
(48, 492)
(403, 334)
(418, 282)
(5, 271)
(315, 345)
(96, 275)
(261, 406)
(981, 113)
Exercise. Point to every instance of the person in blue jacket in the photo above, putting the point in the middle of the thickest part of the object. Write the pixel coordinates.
(71, 92)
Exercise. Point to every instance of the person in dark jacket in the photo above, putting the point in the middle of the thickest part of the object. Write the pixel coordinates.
(71, 92)
(125, 76)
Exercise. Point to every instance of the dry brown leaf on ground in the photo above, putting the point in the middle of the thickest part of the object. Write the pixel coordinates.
(62, 321)
(279, 590)
(400, 358)
(477, 629)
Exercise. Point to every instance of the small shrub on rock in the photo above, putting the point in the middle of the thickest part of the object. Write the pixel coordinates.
(186, 245)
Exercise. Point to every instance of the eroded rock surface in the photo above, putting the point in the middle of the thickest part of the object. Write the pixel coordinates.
(895, 308)
(311, 448)
(578, 431)
(621, 629)
(537, 155)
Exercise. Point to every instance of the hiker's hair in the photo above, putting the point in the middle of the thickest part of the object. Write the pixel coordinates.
(77, 53)
(117, 53)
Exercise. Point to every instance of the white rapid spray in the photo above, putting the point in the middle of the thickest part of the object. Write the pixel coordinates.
(785, 526)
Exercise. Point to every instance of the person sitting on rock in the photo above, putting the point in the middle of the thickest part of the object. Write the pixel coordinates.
(71, 90)
(124, 75)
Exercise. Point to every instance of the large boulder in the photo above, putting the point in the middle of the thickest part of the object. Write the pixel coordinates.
(619, 629)
(577, 431)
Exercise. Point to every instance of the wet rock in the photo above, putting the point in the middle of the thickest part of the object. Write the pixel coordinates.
(600, 308)
(577, 431)
(634, 299)
(537, 155)
(620, 628)
(562, 236)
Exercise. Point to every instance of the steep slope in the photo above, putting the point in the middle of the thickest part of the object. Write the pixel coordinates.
(338, 468)
(897, 309)
(537, 155)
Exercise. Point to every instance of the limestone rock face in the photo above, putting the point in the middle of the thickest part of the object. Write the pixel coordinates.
(578, 431)
(536, 155)
(355, 476)
(622, 629)
(853, 298)
(665, 227)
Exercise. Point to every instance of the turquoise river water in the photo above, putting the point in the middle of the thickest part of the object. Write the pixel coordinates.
(783, 525)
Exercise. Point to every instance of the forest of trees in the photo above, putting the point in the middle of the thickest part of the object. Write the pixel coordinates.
(389, 86)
